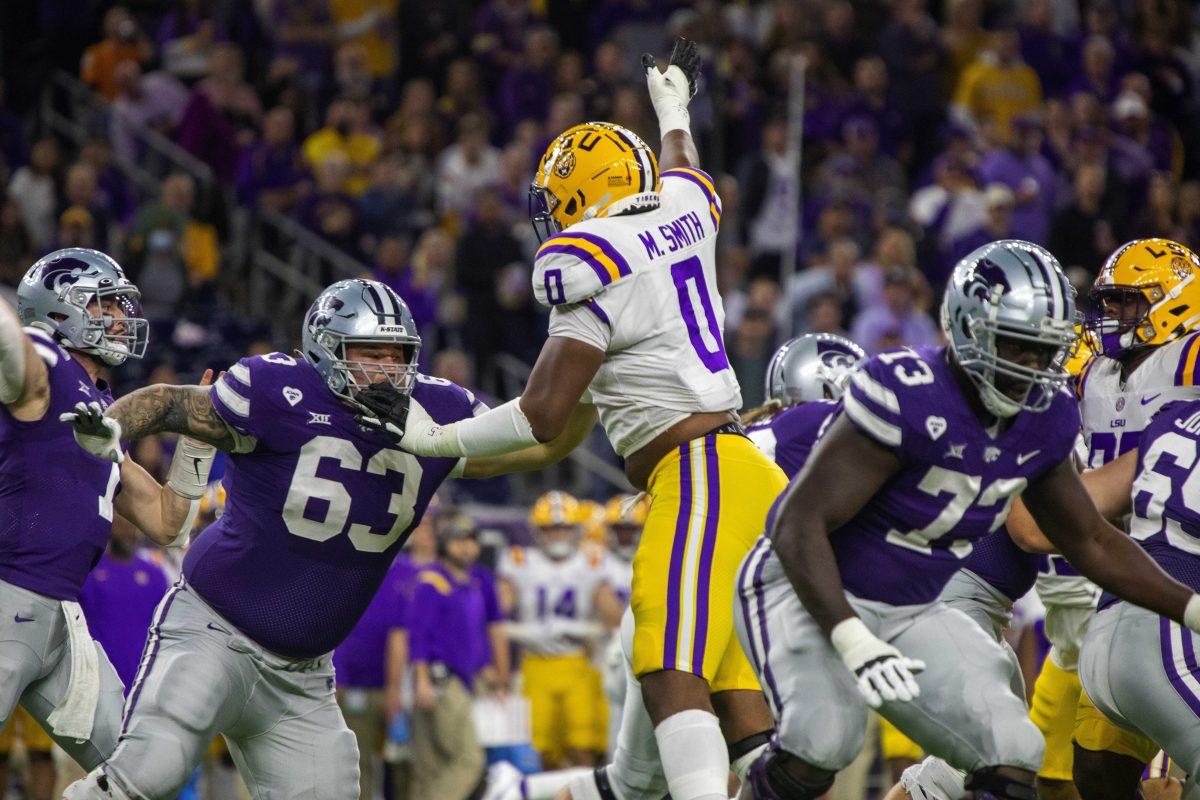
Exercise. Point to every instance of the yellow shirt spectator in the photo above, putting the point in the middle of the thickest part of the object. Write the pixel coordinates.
(990, 91)
(999, 87)
(374, 23)
(360, 148)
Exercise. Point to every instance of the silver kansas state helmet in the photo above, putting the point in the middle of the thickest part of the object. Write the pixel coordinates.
(1017, 290)
(815, 366)
(66, 291)
(359, 311)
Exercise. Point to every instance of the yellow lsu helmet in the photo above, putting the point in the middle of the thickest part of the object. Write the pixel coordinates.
(591, 170)
(1084, 350)
(627, 509)
(212, 505)
(553, 509)
(591, 517)
(1147, 294)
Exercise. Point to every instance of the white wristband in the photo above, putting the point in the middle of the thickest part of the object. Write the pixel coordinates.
(850, 635)
(674, 118)
(188, 474)
(1191, 613)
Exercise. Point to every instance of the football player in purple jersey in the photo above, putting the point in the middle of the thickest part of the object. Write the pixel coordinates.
(318, 505)
(57, 504)
(935, 443)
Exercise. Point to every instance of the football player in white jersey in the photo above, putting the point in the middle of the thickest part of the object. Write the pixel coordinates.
(1148, 312)
(628, 267)
(560, 598)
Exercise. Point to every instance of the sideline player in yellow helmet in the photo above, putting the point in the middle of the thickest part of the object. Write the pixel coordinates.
(628, 268)
(1147, 298)
(561, 603)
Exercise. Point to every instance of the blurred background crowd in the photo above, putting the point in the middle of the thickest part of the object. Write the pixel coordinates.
(232, 155)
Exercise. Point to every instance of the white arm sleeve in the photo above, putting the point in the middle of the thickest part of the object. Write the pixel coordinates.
(503, 429)
(12, 355)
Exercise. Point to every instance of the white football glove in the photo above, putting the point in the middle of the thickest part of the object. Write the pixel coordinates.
(883, 672)
(671, 90)
(94, 432)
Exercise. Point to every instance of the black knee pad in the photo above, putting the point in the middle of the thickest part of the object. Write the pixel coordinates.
(770, 779)
(743, 746)
(989, 782)
(602, 784)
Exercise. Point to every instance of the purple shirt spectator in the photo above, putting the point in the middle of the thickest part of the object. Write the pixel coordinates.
(896, 321)
(118, 601)
(208, 135)
(156, 100)
(1032, 179)
(361, 658)
(447, 623)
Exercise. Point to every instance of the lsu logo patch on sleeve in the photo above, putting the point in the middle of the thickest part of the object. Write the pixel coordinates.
(572, 266)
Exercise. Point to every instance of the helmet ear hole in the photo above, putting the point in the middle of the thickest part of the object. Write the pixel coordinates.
(572, 204)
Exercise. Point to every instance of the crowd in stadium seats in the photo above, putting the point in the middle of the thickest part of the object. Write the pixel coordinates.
(405, 133)
(406, 136)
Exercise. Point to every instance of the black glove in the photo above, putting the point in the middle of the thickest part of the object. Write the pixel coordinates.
(384, 408)
(685, 55)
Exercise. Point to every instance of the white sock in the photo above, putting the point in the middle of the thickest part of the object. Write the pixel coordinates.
(694, 757)
(544, 785)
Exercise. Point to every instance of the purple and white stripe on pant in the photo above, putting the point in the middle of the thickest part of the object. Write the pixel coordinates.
(1179, 661)
(149, 653)
(692, 549)
(754, 616)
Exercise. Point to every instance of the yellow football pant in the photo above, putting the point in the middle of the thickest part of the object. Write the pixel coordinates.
(1055, 700)
(1096, 732)
(708, 504)
(562, 704)
(894, 744)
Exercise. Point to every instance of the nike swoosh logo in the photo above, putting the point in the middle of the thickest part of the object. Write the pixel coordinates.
(19, 618)
(1148, 400)
(217, 628)
(1021, 459)
(197, 463)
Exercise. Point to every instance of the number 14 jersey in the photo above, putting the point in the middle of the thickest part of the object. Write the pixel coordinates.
(643, 288)
(956, 482)
(316, 508)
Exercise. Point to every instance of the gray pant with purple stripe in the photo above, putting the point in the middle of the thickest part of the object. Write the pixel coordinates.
(35, 671)
(199, 677)
(967, 712)
(1143, 672)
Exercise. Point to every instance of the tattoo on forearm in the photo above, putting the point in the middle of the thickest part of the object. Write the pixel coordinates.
(178, 409)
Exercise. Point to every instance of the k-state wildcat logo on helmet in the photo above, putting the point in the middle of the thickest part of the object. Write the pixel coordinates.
(322, 313)
(66, 272)
(987, 278)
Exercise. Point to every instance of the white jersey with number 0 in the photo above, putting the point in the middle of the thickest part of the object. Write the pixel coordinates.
(643, 288)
